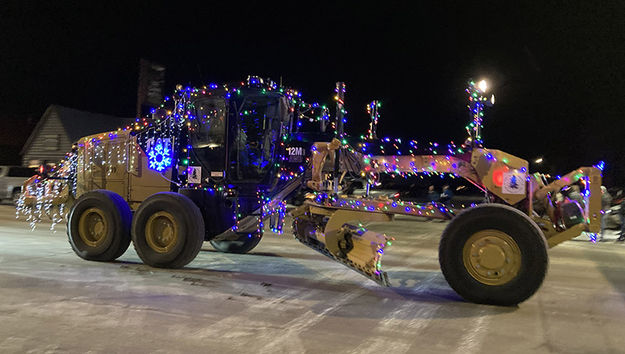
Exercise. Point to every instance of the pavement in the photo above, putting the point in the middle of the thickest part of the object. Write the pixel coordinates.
(286, 298)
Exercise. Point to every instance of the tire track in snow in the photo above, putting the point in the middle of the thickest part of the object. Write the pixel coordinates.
(289, 341)
(411, 318)
(471, 341)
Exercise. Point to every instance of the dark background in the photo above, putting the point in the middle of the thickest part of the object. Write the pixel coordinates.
(557, 68)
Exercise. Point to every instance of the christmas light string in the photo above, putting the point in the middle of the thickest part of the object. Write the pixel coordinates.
(172, 121)
(373, 111)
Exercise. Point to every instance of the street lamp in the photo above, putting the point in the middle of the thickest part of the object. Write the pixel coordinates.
(482, 85)
(538, 160)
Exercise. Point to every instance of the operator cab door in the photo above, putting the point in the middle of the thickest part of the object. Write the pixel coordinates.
(207, 135)
(259, 126)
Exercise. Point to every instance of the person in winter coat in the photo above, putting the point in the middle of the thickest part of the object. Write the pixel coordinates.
(446, 195)
(621, 237)
(433, 195)
(606, 202)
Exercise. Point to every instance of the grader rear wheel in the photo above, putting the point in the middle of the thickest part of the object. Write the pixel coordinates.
(493, 254)
(98, 226)
(167, 230)
(162, 232)
(93, 226)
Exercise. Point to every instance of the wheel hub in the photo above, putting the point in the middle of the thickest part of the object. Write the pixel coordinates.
(161, 232)
(92, 227)
(492, 257)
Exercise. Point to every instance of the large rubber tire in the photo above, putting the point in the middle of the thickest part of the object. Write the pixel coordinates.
(98, 227)
(167, 230)
(242, 244)
(493, 254)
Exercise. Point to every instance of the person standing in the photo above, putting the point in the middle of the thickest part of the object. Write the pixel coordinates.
(606, 202)
(446, 195)
(621, 214)
(433, 195)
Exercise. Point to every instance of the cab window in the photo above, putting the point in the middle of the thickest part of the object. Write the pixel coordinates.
(256, 133)
(208, 133)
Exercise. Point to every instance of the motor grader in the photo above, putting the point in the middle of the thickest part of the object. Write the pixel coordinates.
(220, 161)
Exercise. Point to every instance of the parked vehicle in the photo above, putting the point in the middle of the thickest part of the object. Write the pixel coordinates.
(11, 180)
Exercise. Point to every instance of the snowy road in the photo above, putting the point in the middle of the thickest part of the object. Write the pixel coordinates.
(286, 298)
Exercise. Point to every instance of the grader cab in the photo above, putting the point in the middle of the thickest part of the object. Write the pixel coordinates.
(221, 161)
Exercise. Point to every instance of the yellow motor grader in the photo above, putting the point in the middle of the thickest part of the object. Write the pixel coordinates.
(221, 161)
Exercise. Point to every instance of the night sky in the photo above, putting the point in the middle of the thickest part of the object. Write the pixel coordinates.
(557, 69)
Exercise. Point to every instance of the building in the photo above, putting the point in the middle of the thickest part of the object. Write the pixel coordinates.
(59, 128)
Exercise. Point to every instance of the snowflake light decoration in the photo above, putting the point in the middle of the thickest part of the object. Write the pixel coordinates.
(159, 155)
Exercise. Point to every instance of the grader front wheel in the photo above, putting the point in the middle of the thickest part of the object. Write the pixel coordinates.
(492, 257)
(493, 254)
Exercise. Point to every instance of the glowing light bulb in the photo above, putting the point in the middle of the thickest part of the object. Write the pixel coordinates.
(482, 85)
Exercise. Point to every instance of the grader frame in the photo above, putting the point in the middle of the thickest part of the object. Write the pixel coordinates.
(483, 168)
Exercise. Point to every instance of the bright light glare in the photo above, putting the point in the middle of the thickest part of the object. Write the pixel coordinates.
(482, 85)
(539, 160)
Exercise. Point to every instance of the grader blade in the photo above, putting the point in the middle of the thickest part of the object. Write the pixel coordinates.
(353, 246)
(363, 249)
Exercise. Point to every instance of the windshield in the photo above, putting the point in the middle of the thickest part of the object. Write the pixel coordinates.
(208, 133)
(257, 131)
